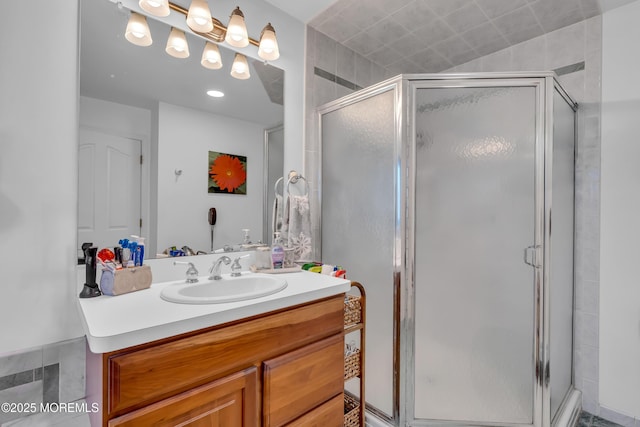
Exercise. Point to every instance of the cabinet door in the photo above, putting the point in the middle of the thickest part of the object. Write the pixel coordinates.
(329, 414)
(228, 402)
(301, 380)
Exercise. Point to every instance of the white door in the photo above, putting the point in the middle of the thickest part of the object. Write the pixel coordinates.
(108, 188)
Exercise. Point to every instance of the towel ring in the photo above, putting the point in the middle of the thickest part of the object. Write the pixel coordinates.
(294, 177)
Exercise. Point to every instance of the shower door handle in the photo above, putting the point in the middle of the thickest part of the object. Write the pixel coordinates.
(531, 256)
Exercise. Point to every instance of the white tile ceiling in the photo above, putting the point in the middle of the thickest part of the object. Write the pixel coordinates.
(433, 35)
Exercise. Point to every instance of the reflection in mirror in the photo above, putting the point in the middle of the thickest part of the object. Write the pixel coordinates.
(147, 126)
(274, 165)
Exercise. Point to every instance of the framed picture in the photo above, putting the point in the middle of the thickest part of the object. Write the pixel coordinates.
(227, 173)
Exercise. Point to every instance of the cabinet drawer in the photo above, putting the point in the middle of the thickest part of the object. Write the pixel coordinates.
(329, 414)
(143, 376)
(228, 402)
(301, 380)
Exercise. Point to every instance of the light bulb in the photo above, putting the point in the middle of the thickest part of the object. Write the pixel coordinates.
(237, 30)
(199, 16)
(268, 48)
(240, 67)
(211, 57)
(155, 7)
(177, 44)
(137, 31)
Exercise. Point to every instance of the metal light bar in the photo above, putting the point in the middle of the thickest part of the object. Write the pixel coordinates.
(218, 32)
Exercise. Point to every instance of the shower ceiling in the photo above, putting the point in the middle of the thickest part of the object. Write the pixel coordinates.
(416, 36)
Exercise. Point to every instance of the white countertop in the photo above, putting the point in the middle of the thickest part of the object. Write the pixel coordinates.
(115, 322)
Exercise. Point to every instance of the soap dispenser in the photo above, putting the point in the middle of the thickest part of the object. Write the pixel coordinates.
(277, 252)
(90, 288)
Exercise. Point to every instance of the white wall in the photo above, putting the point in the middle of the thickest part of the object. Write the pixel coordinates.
(185, 137)
(128, 122)
(38, 187)
(122, 120)
(620, 213)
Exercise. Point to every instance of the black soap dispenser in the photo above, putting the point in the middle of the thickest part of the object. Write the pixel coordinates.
(90, 288)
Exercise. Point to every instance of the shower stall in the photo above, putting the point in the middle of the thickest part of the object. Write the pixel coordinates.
(438, 193)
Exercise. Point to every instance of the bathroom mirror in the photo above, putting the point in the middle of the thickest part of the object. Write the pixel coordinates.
(141, 100)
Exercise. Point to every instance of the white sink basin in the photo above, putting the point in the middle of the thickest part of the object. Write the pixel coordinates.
(228, 289)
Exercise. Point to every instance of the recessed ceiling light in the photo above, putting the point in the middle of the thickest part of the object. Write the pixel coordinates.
(215, 93)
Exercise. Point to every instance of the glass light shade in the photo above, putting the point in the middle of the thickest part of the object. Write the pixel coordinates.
(137, 31)
(236, 30)
(177, 44)
(199, 16)
(268, 48)
(155, 7)
(240, 67)
(211, 57)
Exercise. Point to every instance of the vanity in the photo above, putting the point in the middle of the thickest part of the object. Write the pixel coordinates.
(276, 360)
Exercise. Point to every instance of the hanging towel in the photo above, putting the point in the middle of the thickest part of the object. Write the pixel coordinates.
(297, 225)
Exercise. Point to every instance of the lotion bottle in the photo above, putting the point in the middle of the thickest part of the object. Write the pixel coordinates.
(277, 252)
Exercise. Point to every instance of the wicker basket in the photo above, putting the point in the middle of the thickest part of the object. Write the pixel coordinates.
(352, 365)
(351, 412)
(352, 310)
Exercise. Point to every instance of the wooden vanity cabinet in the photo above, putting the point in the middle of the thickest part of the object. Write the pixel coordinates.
(229, 401)
(298, 381)
(280, 368)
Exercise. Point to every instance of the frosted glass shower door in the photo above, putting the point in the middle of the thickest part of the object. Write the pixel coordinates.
(359, 221)
(475, 214)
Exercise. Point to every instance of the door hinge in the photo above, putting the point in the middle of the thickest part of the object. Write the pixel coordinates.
(140, 222)
(140, 158)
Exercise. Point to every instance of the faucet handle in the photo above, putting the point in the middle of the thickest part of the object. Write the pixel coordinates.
(236, 267)
(192, 272)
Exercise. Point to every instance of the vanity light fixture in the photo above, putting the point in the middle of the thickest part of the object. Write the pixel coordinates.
(237, 30)
(268, 48)
(158, 8)
(177, 44)
(240, 67)
(211, 57)
(137, 31)
(200, 21)
(199, 16)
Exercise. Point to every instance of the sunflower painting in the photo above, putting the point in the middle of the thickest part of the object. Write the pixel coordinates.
(227, 173)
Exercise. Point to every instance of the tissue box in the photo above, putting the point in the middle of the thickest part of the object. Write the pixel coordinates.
(126, 280)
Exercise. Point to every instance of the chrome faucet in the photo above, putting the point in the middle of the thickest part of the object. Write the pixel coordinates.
(192, 272)
(214, 271)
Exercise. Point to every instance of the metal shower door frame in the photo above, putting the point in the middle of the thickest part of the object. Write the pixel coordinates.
(543, 85)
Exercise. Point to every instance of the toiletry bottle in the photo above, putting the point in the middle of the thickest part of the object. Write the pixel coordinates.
(277, 252)
(140, 251)
(126, 252)
(138, 256)
(132, 254)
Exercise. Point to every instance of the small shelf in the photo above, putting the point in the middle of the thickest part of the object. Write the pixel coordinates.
(354, 321)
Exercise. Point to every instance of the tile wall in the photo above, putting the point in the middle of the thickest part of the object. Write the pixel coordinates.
(576, 52)
(43, 378)
(332, 71)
